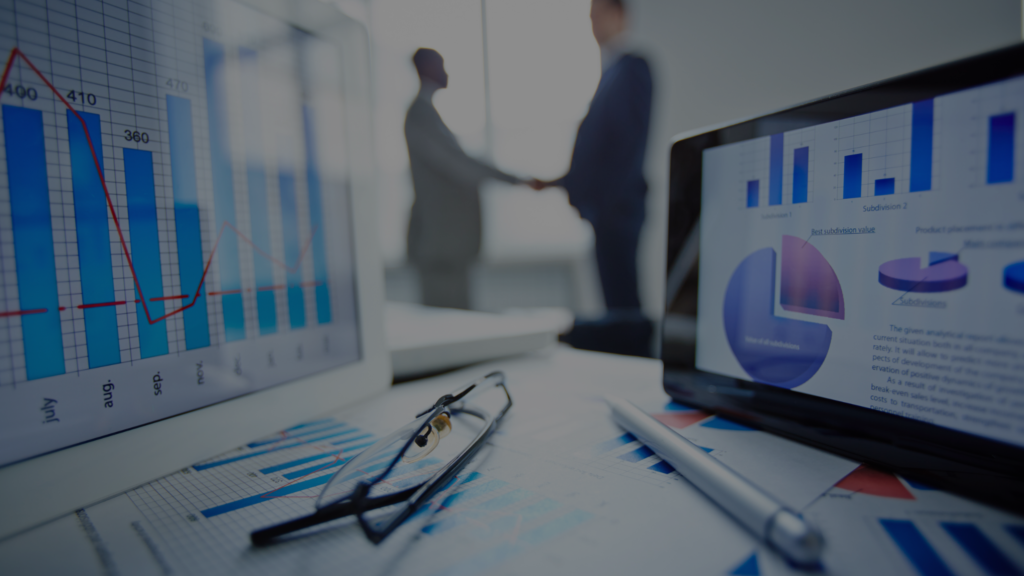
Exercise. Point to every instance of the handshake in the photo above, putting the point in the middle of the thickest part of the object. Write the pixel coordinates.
(537, 184)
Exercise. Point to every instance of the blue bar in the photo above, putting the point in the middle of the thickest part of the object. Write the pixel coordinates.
(885, 186)
(753, 192)
(614, 443)
(775, 171)
(921, 129)
(316, 221)
(317, 468)
(188, 232)
(145, 250)
(95, 269)
(315, 457)
(801, 168)
(1000, 148)
(749, 567)
(259, 443)
(223, 190)
(395, 472)
(352, 439)
(262, 452)
(33, 241)
(266, 496)
(852, 168)
(984, 552)
(916, 548)
(341, 461)
(298, 462)
(266, 302)
(308, 424)
(663, 467)
(290, 231)
(637, 455)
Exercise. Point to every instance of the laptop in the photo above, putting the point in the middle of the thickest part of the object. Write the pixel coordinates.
(186, 236)
(849, 273)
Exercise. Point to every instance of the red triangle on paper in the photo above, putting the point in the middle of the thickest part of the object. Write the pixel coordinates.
(680, 419)
(875, 482)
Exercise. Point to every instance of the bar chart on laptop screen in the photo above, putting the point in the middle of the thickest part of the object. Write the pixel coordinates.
(174, 213)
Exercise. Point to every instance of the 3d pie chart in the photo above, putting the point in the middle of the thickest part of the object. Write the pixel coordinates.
(943, 273)
(1013, 277)
(782, 352)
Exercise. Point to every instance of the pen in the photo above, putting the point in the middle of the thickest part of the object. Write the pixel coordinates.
(760, 513)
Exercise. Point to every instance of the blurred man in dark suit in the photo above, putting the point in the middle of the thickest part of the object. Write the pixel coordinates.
(444, 227)
(605, 181)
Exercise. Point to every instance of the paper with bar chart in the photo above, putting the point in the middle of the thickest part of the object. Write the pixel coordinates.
(174, 215)
(879, 523)
(875, 260)
(557, 483)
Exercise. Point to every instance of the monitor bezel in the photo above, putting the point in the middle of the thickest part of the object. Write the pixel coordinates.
(978, 467)
(45, 487)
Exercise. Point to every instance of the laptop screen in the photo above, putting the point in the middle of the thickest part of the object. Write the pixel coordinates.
(875, 260)
(174, 215)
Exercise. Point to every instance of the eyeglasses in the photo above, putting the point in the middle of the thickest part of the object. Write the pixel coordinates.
(385, 484)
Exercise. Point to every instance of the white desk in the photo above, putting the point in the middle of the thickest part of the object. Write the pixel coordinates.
(550, 496)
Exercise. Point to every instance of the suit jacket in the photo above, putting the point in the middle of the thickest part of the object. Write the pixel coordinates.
(444, 227)
(605, 181)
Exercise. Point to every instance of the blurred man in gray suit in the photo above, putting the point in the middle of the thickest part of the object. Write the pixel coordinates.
(444, 228)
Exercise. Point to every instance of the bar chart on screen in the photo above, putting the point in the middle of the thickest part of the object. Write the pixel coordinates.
(164, 204)
(94, 206)
(887, 152)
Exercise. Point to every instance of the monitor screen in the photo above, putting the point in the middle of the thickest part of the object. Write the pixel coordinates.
(175, 222)
(875, 259)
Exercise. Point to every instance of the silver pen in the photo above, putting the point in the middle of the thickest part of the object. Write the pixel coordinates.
(770, 520)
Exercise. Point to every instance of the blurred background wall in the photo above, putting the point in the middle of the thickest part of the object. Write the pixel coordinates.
(523, 71)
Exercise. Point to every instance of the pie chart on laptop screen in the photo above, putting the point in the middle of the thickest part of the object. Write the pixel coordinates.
(782, 352)
(943, 273)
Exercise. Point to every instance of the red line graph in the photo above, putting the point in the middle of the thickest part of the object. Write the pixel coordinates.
(22, 312)
(161, 299)
(102, 304)
(16, 52)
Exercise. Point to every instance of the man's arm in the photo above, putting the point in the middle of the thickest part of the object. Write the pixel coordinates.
(425, 139)
(615, 136)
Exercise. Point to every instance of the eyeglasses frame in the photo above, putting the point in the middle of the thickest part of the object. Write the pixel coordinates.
(359, 502)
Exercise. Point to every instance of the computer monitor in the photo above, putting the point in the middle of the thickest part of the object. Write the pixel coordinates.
(187, 250)
(861, 274)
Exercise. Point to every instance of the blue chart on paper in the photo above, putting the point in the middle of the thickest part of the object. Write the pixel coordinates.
(928, 554)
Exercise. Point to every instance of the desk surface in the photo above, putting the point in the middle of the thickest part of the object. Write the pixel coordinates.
(561, 488)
